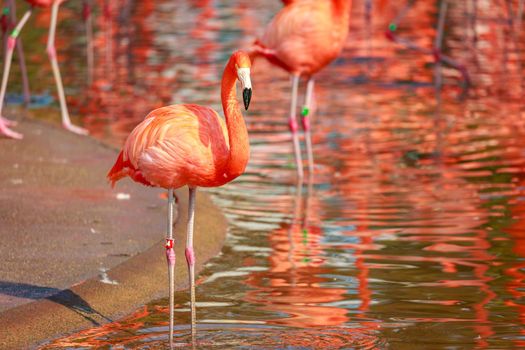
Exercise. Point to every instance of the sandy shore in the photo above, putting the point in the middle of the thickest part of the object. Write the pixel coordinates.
(75, 252)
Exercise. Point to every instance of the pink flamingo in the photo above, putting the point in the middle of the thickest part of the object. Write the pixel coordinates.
(66, 121)
(303, 38)
(190, 145)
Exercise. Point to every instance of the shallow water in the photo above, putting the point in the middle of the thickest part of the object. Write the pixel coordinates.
(409, 235)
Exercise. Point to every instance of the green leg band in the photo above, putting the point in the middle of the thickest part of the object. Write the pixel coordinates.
(305, 111)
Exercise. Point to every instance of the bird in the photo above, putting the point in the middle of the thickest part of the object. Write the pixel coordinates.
(190, 145)
(51, 52)
(303, 38)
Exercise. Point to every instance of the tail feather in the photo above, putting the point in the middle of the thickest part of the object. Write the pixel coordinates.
(118, 170)
(259, 49)
(122, 169)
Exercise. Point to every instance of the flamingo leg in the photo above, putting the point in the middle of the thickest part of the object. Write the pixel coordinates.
(190, 258)
(51, 51)
(11, 43)
(293, 126)
(170, 256)
(306, 113)
(88, 18)
(21, 59)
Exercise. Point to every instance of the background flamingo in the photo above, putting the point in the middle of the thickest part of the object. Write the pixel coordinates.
(190, 145)
(51, 51)
(303, 38)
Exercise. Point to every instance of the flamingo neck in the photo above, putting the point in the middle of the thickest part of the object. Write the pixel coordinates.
(342, 9)
(237, 133)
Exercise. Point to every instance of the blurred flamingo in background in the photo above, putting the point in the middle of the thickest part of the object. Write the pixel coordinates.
(303, 38)
(11, 43)
(190, 145)
(436, 51)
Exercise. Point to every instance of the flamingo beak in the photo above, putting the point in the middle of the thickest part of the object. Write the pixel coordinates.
(246, 97)
(244, 77)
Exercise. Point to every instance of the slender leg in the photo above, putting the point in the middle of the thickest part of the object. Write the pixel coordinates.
(66, 122)
(306, 113)
(21, 59)
(170, 256)
(11, 43)
(88, 18)
(190, 258)
(293, 126)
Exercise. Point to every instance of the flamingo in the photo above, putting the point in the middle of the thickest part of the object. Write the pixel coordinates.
(11, 43)
(304, 37)
(190, 145)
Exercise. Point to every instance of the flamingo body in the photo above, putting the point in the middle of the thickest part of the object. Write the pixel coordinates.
(44, 3)
(305, 36)
(176, 146)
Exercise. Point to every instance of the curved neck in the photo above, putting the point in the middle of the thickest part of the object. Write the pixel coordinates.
(237, 133)
(342, 9)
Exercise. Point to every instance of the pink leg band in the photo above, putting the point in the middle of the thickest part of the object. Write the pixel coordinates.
(11, 42)
(170, 253)
(390, 36)
(293, 125)
(437, 54)
(51, 52)
(86, 11)
(306, 123)
(190, 256)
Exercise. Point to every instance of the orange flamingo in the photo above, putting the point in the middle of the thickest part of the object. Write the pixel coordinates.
(190, 145)
(302, 38)
(11, 43)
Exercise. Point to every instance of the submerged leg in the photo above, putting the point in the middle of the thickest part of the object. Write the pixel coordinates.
(306, 113)
(51, 51)
(11, 43)
(170, 256)
(292, 121)
(190, 258)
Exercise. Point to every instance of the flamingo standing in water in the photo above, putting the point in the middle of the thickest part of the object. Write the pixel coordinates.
(11, 43)
(190, 145)
(303, 38)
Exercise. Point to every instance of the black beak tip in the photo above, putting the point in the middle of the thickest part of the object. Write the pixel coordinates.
(246, 97)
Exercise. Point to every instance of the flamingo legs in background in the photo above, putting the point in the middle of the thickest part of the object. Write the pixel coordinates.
(306, 113)
(11, 43)
(21, 57)
(51, 51)
(436, 50)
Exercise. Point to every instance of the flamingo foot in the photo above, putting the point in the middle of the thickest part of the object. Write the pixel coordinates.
(75, 129)
(4, 130)
(8, 122)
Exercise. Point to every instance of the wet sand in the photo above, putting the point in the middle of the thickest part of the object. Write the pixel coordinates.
(74, 255)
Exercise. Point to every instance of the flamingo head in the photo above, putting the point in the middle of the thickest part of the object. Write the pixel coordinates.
(242, 65)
